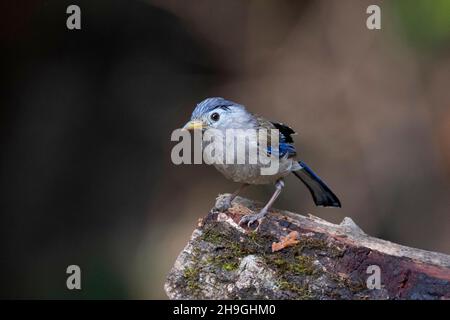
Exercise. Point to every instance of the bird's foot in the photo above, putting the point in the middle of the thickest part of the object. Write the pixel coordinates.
(249, 219)
(223, 203)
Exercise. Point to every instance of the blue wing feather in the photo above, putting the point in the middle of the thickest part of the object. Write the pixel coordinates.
(283, 150)
(286, 143)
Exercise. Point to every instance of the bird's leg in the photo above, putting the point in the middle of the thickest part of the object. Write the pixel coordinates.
(251, 218)
(226, 203)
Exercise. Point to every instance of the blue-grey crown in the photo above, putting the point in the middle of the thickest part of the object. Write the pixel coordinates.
(210, 104)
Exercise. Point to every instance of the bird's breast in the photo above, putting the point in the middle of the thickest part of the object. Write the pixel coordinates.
(244, 163)
(254, 174)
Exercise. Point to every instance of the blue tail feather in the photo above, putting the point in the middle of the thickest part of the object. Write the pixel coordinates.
(320, 192)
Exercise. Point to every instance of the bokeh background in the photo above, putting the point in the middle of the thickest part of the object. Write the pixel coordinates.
(86, 118)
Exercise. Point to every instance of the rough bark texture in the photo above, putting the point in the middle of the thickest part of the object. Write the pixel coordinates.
(225, 261)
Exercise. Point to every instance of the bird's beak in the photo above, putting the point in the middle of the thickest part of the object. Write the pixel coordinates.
(193, 125)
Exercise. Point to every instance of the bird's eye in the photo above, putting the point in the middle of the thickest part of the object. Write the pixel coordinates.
(215, 116)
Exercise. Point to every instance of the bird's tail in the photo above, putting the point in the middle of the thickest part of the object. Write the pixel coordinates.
(320, 192)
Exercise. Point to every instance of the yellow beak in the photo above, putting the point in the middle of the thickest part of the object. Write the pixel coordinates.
(193, 125)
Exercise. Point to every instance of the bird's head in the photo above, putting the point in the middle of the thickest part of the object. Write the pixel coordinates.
(218, 113)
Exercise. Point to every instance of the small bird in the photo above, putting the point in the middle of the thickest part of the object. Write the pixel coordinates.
(221, 114)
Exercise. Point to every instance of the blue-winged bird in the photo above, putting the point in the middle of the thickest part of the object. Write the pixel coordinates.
(220, 114)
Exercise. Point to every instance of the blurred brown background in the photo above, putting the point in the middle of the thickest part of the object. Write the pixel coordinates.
(86, 118)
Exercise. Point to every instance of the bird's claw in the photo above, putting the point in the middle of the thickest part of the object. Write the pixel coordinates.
(252, 218)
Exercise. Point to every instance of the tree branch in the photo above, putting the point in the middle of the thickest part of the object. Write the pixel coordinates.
(317, 260)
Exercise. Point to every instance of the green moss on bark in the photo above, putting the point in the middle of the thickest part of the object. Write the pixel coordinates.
(295, 267)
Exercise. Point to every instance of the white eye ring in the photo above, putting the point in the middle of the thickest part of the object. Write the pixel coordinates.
(215, 117)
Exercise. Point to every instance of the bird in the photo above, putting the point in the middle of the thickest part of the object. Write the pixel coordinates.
(220, 114)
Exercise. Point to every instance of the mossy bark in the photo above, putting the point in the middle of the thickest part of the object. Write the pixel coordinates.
(225, 261)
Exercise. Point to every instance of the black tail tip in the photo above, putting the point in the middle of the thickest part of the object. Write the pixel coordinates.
(334, 204)
(327, 199)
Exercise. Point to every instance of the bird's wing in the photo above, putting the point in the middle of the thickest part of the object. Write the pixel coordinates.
(285, 132)
(286, 143)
